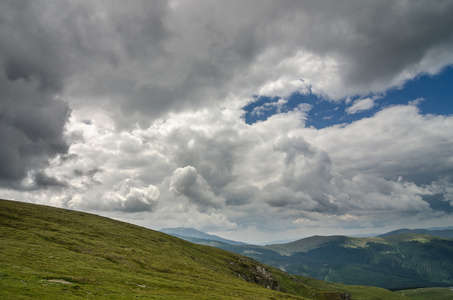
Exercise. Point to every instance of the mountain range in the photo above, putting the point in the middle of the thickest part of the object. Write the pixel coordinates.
(396, 260)
(198, 237)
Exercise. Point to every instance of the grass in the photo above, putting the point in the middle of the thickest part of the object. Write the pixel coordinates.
(48, 252)
(52, 253)
(429, 293)
(358, 292)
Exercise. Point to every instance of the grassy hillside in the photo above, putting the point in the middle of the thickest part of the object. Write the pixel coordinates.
(428, 293)
(51, 253)
(392, 262)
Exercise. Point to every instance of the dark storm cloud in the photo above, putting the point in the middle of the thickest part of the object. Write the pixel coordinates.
(143, 59)
(30, 50)
(396, 34)
(188, 55)
(43, 180)
(374, 41)
(31, 127)
(240, 195)
(32, 117)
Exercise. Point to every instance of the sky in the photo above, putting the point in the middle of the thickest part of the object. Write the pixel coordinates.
(253, 120)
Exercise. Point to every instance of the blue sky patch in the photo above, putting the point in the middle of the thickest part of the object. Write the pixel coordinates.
(432, 95)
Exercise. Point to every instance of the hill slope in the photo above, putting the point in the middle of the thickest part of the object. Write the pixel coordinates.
(48, 253)
(392, 262)
(445, 233)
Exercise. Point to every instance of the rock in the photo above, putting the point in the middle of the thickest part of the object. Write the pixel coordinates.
(246, 270)
(346, 296)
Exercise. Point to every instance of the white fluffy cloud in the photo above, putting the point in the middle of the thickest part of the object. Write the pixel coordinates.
(271, 175)
(131, 196)
(273, 169)
(360, 105)
(187, 182)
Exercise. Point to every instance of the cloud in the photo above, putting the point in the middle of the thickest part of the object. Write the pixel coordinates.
(182, 54)
(187, 182)
(138, 107)
(33, 116)
(360, 105)
(416, 102)
(130, 196)
(273, 175)
(396, 141)
(307, 174)
(32, 127)
(269, 107)
(43, 180)
(238, 194)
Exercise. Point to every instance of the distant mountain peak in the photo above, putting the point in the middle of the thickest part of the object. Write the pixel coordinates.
(190, 234)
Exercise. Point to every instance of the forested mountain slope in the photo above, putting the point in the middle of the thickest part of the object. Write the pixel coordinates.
(392, 262)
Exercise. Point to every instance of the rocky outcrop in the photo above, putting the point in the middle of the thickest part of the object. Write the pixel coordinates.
(252, 271)
(346, 296)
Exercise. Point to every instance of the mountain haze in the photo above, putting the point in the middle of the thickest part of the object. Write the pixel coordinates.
(198, 237)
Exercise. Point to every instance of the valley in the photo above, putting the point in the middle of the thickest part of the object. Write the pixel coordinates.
(391, 261)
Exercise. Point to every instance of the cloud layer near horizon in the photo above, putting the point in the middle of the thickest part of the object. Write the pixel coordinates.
(136, 110)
